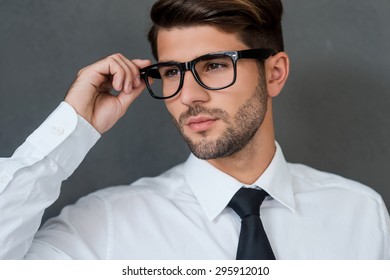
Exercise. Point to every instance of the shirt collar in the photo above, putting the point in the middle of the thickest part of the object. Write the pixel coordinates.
(214, 188)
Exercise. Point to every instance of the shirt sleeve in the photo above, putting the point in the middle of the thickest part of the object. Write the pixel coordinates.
(385, 221)
(30, 180)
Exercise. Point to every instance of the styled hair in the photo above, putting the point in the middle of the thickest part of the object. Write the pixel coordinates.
(256, 22)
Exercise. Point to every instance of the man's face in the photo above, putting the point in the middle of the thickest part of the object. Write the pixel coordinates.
(214, 123)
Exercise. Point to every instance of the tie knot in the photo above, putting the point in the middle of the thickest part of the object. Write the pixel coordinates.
(247, 202)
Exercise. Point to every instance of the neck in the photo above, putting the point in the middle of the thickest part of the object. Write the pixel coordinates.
(248, 164)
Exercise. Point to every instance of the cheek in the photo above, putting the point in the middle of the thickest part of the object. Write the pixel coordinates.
(173, 106)
(231, 99)
(228, 101)
(248, 77)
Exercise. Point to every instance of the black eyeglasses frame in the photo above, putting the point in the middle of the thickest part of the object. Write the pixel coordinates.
(150, 71)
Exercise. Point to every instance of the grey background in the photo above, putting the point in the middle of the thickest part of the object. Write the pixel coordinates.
(333, 113)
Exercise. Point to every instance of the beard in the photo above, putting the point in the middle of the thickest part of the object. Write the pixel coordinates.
(239, 130)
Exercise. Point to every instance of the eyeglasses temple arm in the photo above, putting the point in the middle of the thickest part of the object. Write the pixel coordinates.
(257, 53)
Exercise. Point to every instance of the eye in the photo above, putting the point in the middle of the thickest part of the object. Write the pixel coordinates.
(171, 73)
(215, 66)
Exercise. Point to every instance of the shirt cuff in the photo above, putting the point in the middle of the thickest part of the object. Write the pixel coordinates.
(64, 137)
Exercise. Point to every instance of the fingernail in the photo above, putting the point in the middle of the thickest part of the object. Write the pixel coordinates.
(118, 85)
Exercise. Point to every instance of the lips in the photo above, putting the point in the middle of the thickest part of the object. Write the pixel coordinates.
(200, 123)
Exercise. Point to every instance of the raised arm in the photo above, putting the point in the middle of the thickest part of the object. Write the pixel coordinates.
(30, 180)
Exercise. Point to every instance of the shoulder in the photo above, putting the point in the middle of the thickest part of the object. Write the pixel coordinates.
(341, 196)
(308, 179)
(342, 204)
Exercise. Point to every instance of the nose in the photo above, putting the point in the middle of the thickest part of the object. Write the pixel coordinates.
(192, 92)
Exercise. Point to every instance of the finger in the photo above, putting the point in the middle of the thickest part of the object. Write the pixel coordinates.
(129, 72)
(133, 79)
(136, 85)
(121, 74)
(102, 71)
(141, 63)
(134, 66)
(127, 99)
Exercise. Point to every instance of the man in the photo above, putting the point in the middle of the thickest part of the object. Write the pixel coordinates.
(220, 65)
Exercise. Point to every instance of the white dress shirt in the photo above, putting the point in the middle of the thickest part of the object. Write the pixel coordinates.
(180, 214)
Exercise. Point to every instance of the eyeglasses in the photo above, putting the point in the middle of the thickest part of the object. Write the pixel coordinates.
(214, 71)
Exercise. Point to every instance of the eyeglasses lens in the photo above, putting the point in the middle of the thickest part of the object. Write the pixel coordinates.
(212, 72)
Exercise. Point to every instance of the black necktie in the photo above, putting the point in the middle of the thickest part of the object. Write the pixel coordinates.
(253, 243)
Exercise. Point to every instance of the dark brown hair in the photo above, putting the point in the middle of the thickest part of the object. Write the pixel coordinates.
(256, 22)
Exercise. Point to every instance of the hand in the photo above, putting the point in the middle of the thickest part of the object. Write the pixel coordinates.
(90, 93)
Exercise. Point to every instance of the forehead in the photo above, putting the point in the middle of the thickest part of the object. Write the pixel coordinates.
(184, 44)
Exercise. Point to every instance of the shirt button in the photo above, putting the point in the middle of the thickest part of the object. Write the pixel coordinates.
(58, 131)
(3, 178)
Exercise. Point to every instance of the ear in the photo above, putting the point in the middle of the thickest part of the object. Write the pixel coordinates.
(277, 69)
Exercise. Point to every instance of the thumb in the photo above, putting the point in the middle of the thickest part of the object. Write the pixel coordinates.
(141, 63)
